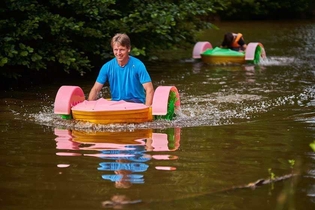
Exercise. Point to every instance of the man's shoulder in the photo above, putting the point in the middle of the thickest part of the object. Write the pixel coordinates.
(109, 65)
(135, 61)
(110, 62)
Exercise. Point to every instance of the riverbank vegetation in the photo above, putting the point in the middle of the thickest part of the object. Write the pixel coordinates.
(45, 37)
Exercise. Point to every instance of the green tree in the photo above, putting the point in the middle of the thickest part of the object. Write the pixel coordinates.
(41, 34)
(267, 9)
(75, 34)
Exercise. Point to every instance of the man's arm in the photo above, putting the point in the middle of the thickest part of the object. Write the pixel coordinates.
(95, 91)
(149, 92)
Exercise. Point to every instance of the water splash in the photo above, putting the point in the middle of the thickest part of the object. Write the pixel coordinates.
(207, 110)
(277, 61)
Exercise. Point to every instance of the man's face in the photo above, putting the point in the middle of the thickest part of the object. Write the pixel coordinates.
(120, 52)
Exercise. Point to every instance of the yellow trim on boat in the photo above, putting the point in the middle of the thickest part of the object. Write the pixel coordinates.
(223, 59)
(109, 117)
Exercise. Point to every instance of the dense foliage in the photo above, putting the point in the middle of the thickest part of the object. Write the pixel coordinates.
(74, 35)
(267, 9)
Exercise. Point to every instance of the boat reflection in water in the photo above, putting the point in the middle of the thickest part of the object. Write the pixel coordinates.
(125, 154)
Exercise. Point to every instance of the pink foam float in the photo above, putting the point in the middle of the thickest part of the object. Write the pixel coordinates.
(70, 103)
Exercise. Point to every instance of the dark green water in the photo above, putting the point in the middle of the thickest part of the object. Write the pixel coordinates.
(238, 124)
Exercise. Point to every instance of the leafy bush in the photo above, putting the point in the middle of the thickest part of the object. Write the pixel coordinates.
(75, 34)
(267, 9)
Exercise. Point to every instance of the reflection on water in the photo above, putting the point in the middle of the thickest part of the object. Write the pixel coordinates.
(125, 155)
(310, 173)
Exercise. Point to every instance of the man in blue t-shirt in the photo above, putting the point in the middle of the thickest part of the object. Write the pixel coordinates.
(128, 77)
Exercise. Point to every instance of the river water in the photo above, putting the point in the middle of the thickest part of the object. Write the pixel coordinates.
(237, 124)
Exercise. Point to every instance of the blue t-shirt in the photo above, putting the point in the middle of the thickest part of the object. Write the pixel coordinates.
(125, 83)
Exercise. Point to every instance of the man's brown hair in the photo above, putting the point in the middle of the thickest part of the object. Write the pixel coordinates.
(122, 39)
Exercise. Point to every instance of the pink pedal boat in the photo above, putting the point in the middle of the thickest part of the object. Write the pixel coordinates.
(70, 103)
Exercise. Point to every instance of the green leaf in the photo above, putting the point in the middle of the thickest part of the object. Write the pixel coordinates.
(23, 53)
(3, 61)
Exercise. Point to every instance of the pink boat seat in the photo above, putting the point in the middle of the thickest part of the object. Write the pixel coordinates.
(199, 48)
(160, 99)
(67, 97)
(251, 49)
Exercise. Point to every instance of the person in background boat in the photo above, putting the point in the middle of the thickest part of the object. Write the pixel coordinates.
(234, 41)
(127, 76)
